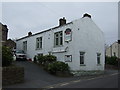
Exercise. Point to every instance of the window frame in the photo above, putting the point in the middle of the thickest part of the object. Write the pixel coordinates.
(70, 57)
(40, 54)
(39, 41)
(98, 58)
(58, 39)
(82, 56)
(25, 46)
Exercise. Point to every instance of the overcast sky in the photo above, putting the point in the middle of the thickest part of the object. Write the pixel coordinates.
(22, 17)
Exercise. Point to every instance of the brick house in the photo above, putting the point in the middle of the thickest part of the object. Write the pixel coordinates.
(4, 34)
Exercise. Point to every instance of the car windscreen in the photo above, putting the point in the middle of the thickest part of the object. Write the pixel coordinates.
(20, 51)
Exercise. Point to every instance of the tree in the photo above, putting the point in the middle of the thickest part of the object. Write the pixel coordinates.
(7, 56)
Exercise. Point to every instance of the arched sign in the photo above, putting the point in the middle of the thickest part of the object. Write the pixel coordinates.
(68, 35)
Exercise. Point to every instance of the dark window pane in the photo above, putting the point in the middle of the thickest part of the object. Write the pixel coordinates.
(61, 40)
(98, 60)
(58, 38)
(60, 33)
(81, 59)
(56, 34)
(37, 45)
(40, 44)
(56, 41)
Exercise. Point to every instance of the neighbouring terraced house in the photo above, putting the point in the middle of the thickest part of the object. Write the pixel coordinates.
(80, 43)
(112, 50)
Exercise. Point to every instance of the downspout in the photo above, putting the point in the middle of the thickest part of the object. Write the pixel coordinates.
(111, 50)
(118, 54)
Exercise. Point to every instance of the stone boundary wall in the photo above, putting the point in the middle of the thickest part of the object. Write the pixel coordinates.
(12, 75)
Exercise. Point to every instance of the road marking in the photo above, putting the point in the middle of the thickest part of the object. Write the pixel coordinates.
(91, 78)
(64, 84)
(75, 81)
(51, 87)
(56, 85)
(113, 74)
(102, 76)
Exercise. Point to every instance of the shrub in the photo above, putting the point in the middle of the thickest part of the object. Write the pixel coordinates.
(46, 59)
(49, 58)
(57, 66)
(111, 60)
(35, 59)
(7, 56)
(40, 59)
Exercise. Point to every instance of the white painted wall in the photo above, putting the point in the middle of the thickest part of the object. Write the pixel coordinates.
(86, 36)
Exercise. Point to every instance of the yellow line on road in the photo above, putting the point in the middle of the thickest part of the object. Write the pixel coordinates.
(64, 84)
(74, 81)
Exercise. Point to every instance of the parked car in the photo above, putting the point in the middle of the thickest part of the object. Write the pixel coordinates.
(20, 55)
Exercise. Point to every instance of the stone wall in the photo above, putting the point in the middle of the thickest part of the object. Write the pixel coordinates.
(12, 75)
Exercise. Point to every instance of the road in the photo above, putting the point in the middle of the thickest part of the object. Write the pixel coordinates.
(107, 81)
(36, 77)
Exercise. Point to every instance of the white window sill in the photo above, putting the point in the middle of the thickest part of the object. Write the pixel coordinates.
(58, 46)
(38, 49)
(98, 64)
(82, 65)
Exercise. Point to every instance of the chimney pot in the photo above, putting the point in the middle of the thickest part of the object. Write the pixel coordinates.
(118, 41)
(87, 15)
(62, 21)
(29, 33)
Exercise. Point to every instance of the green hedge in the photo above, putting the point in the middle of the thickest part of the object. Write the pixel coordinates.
(57, 66)
(50, 63)
(46, 59)
(7, 56)
(111, 60)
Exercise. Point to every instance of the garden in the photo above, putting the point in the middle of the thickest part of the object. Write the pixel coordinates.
(111, 62)
(11, 74)
(50, 64)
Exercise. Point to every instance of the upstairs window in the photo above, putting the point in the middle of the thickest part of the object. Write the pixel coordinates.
(58, 38)
(39, 43)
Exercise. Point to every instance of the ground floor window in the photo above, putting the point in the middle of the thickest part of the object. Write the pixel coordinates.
(98, 58)
(40, 54)
(25, 46)
(68, 58)
(82, 57)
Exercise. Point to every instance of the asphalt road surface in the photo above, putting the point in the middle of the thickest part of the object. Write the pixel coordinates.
(107, 81)
(36, 77)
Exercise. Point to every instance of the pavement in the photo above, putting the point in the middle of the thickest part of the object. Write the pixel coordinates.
(36, 77)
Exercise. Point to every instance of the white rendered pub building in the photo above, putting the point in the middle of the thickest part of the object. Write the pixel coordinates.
(80, 43)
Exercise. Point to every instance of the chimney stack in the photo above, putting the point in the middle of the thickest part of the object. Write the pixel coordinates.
(86, 15)
(29, 33)
(118, 41)
(62, 21)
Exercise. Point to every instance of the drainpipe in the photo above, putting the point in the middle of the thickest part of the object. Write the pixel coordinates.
(111, 50)
(118, 54)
